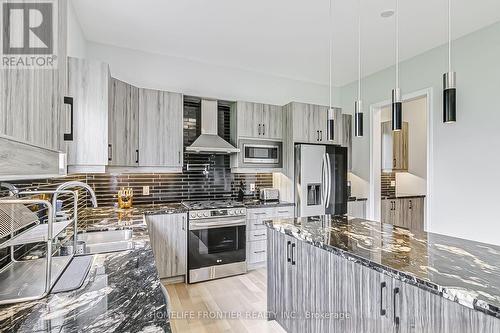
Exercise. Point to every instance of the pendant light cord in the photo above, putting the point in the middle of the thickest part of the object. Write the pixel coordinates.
(359, 50)
(330, 35)
(449, 35)
(397, 43)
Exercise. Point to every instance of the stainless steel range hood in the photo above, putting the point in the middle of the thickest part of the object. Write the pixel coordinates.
(209, 142)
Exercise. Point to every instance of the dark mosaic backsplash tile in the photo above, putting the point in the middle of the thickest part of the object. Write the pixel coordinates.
(386, 188)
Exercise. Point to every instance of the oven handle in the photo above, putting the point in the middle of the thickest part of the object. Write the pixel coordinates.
(199, 226)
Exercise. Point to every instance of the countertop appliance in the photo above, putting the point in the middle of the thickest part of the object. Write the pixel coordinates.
(216, 239)
(259, 153)
(320, 180)
(269, 194)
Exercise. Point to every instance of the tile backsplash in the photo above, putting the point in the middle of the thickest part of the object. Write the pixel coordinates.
(386, 179)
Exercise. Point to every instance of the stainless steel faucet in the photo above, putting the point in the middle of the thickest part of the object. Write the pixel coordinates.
(74, 184)
(13, 190)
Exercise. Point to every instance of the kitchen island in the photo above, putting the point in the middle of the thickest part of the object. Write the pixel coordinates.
(352, 275)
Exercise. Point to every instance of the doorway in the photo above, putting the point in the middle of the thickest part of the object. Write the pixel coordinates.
(418, 177)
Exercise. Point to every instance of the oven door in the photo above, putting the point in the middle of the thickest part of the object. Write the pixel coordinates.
(210, 244)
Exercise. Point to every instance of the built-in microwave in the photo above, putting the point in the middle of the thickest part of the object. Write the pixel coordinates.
(257, 153)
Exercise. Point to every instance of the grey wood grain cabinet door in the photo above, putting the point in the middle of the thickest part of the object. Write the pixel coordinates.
(160, 128)
(88, 84)
(123, 124)
(302, 119)
(272, 122)
(249, 117)
(168, 234)
(32, 106)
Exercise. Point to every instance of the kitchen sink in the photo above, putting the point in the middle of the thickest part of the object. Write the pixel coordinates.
(107, 241)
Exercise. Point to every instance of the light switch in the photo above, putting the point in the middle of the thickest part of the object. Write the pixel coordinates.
(252, 187)
(393, 183)
(145, 190)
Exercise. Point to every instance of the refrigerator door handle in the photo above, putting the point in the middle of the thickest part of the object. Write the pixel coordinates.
(324, 180)
(329, 180)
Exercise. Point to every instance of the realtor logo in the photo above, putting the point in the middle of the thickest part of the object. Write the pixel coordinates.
(29, 30)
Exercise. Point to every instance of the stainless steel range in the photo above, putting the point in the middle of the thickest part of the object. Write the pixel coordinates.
(216, 239)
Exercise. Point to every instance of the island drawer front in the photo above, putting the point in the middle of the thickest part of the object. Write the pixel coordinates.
(257, 251)
(257, 235)
(260, 213)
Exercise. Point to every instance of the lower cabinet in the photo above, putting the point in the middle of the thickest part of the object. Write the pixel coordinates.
(168, 235)
(257, 235)
(313, 290)
(356, 209)
(404, 212)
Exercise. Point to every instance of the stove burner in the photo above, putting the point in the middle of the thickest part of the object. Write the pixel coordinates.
(211, 204)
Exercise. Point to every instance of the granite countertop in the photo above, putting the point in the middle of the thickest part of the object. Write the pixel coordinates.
(121, 293)
(463, 271)
(265, 204)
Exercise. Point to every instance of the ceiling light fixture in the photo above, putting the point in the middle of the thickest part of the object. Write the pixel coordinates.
(358, 105)
(331, 110)
(449, 83)
(397, 111)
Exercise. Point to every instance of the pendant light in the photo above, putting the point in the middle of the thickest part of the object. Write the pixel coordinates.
(449, 83)
(358, 105)
(397, 108)
(331, 110)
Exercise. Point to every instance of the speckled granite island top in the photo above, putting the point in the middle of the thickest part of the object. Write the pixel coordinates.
(464, 271)
(121, 293)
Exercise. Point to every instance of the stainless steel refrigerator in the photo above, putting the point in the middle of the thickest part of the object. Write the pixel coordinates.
(320, 180)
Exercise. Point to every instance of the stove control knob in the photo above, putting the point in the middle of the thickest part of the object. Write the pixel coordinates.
(205, 214)
(240, 211)
(230, 212)
(200, 214)
(193, 215)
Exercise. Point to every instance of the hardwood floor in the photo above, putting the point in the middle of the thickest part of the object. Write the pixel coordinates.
(239, 302)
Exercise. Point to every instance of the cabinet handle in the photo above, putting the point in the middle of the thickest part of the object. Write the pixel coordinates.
(396, 318)
(183, 223)
(293, 256)
(259, 129)
(263, 251)
(110, 152)
(411, 205)
(288, 251)
(282, 211)
(394, 163)
(263, 129)
(321, 138)
(259, 235)
(382, 287)
(69, 136)
(137, 156)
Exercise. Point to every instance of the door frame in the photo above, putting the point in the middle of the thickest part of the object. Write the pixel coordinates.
(374, 209)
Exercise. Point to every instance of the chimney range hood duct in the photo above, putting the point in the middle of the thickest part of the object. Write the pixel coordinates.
(209, 142)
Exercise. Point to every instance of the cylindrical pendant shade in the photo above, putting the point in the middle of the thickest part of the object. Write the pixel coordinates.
(331, 125)
(449, 98)
(358, 118)
(397, 110)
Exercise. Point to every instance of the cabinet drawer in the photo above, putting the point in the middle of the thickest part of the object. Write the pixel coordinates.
(257, 251)
(257, 235)
(256, 225)
(285, 212)
(259, 214)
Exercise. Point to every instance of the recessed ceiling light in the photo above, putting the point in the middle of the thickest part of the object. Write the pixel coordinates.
(387, 13)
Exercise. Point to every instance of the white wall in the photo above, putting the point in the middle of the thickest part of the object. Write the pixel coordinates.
(463, 204)
(195, 78)
(77, 44)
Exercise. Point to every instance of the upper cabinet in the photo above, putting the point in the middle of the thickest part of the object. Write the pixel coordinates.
(310, 123)
(394, 148)
(123, 124)
(160, 129)
(32, 100)
(88, 86)
(256, 120)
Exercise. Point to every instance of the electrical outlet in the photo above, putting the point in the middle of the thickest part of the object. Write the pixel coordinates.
(252, 187)
(145, 190)
(393, 183)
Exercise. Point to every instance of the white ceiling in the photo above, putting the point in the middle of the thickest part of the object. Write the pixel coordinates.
(288, 38)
